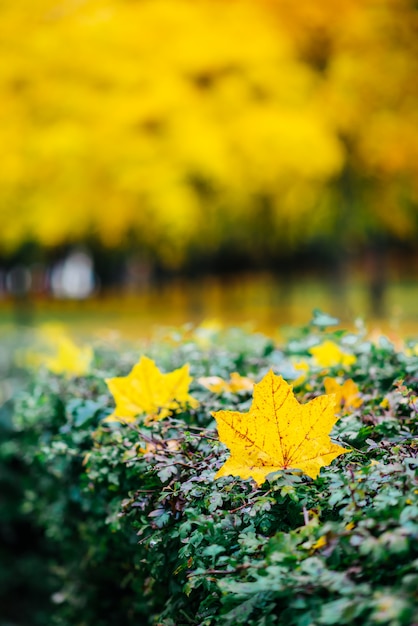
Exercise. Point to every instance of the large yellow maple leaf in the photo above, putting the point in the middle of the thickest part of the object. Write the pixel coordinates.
(278, 433)
(146, 390)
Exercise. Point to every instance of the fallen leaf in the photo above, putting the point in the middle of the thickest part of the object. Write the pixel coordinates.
(278, 433)
(146, 390)
(169, 445)
(56, 350)
(385, 404)
(216, 384)
(303, 368)
(347, 395)
(328, 354)
(319, 543)
(70, 358)
(236, 383)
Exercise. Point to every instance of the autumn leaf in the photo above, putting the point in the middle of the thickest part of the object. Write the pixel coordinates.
(319, 543)
(170, 445)
(329, 354)
(236, 383)
(278, 433)
(70, 359)
(347, 395)
(146, 390)
(303, 368)
(57, 351)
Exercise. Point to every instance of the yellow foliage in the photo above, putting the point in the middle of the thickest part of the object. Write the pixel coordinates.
(347, 395)
(235, 384)
(59, 353)
(385, 404)
(171, 118)
(70, 358)
(329, 354)
(146, 390)
(319, 543)
(169, 445)
(278, 433)
(303, 367)
(115, 109)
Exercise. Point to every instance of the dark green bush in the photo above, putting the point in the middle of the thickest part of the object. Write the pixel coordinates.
(127, 525)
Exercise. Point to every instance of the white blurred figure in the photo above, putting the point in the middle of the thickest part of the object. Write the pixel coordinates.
(74, 277)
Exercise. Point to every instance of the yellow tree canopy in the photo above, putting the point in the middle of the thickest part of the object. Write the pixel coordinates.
(175, 119)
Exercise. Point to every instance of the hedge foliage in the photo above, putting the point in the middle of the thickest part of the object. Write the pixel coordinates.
(108, 523)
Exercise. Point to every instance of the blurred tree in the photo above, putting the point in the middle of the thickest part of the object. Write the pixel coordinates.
(191, 126)
(368, 56)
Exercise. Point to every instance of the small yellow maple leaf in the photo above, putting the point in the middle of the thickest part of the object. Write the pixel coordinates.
(278, 433)
(303, 368)
(385, 404)
(170, 445)
(70, 358)
(319, 543)
(236, 383)
(347, 395)
(146, 390)
(216, 384)
(328, 354)
(57, 352)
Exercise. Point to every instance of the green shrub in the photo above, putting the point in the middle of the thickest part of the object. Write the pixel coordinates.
(130, 527)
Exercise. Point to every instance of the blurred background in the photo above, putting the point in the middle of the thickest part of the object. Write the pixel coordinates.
(166, 161)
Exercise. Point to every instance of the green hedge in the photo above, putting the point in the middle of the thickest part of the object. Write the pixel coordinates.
(98, 531)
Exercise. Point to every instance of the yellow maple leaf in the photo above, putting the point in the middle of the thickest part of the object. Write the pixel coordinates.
(57, 351)
(303, 368)
(346, 395)
(328, 354)
(319, 543)
(278, 433)
(236, 383)
(146, 390)
(385, 404)
(170, 445)
(70, 358)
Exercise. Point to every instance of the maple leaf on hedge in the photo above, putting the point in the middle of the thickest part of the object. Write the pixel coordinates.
(69, 359)
(347, 395)
(278, 433)
(147, 390)
(329, 354)
(236, 383)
